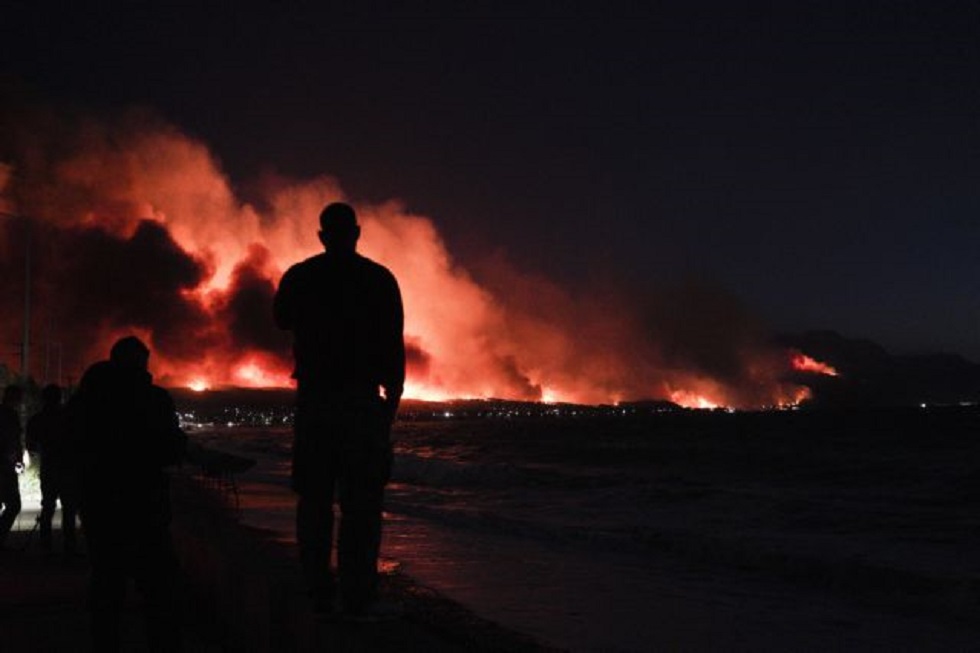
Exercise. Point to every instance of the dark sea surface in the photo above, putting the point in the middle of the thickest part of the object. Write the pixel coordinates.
(697, 530)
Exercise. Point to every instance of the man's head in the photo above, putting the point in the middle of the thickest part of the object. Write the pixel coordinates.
(13, 395)
(130, 352)
(338, 227)
(51, 395)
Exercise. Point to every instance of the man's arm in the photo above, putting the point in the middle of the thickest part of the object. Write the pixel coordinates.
(171, 442)
(283, 302)
(9, 438)
(33, 440)
(394, 359)
(20, 443)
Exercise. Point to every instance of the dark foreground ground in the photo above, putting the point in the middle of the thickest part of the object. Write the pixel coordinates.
(831, 531)
(241, 592)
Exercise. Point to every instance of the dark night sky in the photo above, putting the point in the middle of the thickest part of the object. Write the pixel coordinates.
(820, 163)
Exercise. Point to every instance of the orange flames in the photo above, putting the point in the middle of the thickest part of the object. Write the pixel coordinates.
(218, 259)
(689, 399)
(803, 363)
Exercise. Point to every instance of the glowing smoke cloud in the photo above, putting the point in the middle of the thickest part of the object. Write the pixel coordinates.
(136, 228)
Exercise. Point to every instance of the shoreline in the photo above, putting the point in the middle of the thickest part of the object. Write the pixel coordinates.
(752, 536)
(244, 592)
(241, 590)
(251, 581)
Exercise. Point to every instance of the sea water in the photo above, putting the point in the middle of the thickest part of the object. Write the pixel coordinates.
(688, 531)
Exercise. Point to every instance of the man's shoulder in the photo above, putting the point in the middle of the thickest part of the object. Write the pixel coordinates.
(101, 367)
(332, 265)
(373, 267)
(161, 395)
(305, 266)
(95, 373)
(9, 422)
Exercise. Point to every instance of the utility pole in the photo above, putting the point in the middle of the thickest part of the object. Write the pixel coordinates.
(25, 347)
(25, 344)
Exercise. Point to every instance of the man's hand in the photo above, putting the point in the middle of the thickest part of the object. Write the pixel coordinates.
(391, 409)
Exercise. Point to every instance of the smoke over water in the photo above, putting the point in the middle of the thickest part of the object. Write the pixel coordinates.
(134, 227)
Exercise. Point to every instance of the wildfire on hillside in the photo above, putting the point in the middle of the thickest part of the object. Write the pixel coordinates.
(134, 228)
(803, 363)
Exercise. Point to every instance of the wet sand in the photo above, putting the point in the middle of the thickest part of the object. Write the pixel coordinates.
(241, 592)
(43, 601)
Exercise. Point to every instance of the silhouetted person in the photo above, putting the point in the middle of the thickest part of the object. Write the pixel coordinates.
(345, 312)
(128, 433)
(48, 436)
(11, 457)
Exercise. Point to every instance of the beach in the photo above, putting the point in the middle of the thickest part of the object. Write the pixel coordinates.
(690, 532)
(241, 591)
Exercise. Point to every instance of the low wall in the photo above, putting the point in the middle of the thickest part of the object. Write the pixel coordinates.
(248, 581)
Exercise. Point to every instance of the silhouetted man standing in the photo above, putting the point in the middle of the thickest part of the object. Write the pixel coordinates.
(129, 433)
(11, 456)
(48, 435)
(345, 312)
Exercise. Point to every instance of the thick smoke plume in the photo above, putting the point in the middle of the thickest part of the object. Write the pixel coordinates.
(133, 227)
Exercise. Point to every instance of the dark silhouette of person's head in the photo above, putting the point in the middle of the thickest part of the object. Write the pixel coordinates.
(12, 396)
(51, 396)
(339, 230)
(130, 352)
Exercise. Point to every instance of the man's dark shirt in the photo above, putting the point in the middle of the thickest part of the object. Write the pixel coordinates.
(47, 433)
(128, 432)
(345, 312)
(10, 447)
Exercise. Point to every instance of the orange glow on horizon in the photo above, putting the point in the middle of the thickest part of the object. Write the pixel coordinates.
(423, 392)
(253, 375)
(549, 396)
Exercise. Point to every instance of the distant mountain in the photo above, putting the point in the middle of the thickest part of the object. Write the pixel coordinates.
(870, 376)
(274, 406)
(220, 398)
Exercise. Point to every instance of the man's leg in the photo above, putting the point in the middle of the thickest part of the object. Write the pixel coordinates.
(69, 513)
(367, 467)
(156, 571)
(68, 517)
(10, 498)
(107, 589)
(49, 502)
(357, 557)
(313, 480)
(314, 533)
